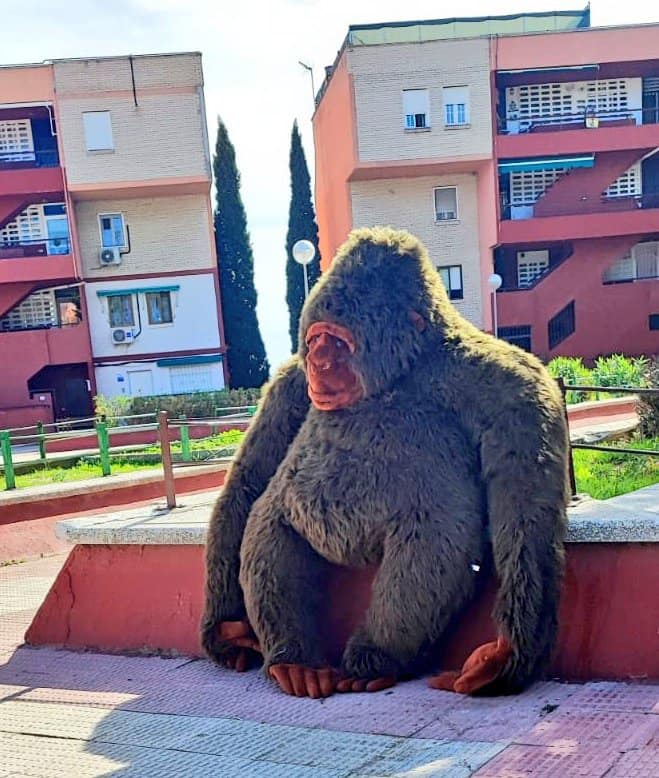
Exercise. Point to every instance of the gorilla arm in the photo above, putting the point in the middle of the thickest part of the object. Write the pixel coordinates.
(513, 411)
(226, 636)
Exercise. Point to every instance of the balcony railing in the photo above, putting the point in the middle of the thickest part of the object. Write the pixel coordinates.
(588, 118)
(12, 160)
(519, 211)
(38, 247)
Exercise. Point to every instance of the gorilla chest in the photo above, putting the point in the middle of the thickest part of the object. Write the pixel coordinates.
(348, 475)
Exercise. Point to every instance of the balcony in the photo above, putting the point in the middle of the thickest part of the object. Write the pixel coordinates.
(22, 160)
(42, 261)
(607, 217)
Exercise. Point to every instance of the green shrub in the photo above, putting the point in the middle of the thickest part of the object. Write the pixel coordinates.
(112, 407)
(573, 372)
(618, 370)
(648, 407)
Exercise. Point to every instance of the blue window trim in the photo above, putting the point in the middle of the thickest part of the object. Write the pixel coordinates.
(200, 359)
(142, 290)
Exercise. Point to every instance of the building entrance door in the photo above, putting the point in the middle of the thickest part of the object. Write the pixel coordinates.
(140, 383)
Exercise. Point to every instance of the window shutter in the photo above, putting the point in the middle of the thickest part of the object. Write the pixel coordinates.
(416, 103)
(456, 104)
(98, 130)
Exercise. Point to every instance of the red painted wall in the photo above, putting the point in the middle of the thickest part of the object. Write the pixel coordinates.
(24, 354)
(609, 318)
(151, 598)
(580, 190)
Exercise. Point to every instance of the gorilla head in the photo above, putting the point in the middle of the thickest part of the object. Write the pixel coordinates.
(364, 323)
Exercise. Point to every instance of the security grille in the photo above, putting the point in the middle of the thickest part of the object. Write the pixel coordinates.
(518, 336)
(629, 184)
(527, 186)
(562, 325)
(639, 263)
(188, 379)
(530, 265)
(26, 227)
(37, 310)
(16, 143)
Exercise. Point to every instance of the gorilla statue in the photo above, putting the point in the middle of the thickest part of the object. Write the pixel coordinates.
(399, 435)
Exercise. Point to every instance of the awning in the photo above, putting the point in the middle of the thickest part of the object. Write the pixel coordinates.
(199, 359)
(141, 290)
(549, 163)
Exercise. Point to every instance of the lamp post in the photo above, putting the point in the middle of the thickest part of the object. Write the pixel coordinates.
(310, 71)
(303, 253)
(494, 282)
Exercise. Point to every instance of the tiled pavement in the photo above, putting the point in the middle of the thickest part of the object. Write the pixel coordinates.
(69, 714)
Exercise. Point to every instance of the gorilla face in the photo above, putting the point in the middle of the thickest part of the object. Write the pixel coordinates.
(362, 327)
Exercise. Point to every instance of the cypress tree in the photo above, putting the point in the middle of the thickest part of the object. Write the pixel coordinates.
(301, 225)
(248, 365)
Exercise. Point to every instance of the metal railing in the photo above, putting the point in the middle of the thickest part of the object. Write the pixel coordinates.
(99, 431)
(34, 247)
(638, 391)
(28, 159)
(573, 120)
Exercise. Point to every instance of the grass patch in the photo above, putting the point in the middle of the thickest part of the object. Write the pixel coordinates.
(603, 475)
(223, 440)
(58, 475)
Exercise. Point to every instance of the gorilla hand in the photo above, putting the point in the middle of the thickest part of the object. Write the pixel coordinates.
(483, 667)
(301, 681)
(232, 644)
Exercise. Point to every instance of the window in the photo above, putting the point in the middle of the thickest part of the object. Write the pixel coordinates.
(16, 142)
(456, 105)
(452, 280)
(416, 109)
(98, 131)
(526, 186)
(518, 336)
(629, 184)
(530, 265)
(446, 203)
(641, 262)
(159, 307)
(562, 325)
(653, 321)
(120, 308)
(113, 230)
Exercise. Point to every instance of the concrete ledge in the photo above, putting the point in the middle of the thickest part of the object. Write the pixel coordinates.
(97, 493)
(591, 521)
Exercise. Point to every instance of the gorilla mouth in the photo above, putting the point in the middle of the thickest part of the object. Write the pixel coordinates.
(333, 384)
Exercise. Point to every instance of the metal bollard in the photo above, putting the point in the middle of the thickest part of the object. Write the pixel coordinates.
(5, 448)
(166, 452)
(103, 447)
(186, 456)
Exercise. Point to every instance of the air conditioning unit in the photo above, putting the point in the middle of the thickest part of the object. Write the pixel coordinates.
(121, 336)
(110, 256)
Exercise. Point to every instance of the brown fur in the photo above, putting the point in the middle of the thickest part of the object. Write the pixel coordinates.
(453, 426)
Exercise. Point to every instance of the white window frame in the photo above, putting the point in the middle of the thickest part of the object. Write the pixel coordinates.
(97, 132)
(425, 113)
(434, 205)
(124, 245)
(466, 118)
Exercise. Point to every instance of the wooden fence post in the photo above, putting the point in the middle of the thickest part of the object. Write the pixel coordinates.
(166, 453)
(5, 446)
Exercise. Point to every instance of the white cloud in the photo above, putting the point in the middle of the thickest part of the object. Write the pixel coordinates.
(253, 80)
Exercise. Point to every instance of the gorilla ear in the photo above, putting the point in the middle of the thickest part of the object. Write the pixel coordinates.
(417, 320)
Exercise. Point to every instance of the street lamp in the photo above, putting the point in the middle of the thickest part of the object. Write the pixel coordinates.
(303, 253)
(494, 282)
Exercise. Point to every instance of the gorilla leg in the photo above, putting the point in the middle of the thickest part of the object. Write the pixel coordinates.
(424, 581)
(282, 579)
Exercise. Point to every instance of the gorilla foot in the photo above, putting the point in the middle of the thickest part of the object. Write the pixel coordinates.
(365, 685)
(481, 670)
(301, 681)
(233, 644)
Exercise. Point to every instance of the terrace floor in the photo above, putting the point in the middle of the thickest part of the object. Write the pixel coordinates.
(64, 713)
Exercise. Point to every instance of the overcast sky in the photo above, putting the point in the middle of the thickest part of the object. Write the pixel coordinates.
(253, 79)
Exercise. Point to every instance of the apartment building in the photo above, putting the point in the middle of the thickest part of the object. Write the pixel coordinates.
(523, 145)
(108, 274)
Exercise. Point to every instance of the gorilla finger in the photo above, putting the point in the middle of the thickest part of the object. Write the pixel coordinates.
(378, 684)
(477, 677)
(250, 643)
(280, 675)
(359, 685)
(327, 679)
(296, 674)
(311, 683)
(344, 685)
(444, 681)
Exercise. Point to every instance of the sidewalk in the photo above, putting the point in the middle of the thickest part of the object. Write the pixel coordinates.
(81, 714)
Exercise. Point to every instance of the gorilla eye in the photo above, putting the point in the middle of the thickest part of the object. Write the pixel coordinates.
(338, 343)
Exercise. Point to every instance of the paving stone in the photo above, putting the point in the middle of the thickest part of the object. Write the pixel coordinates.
(608, 695)
(643, 763)
(569, 728)
(431, 758)
(551, 762)
(338, 750)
